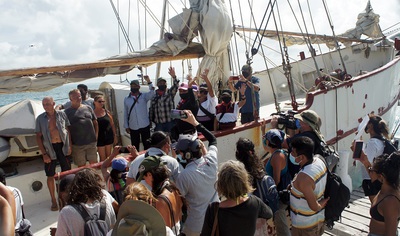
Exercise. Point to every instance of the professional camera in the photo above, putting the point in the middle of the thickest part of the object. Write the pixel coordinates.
(287, 119)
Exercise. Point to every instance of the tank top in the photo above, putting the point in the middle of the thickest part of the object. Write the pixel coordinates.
(301, 214)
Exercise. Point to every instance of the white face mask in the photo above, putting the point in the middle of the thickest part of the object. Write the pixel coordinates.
(293, 160)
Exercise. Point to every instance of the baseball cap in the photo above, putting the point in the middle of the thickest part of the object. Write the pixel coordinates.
(247, 68)
(119, 163)
(203, 86)
(187, 141)
(183, 86)
(227, 92)
(138, 218)
(135, 82)
(148, 164)
(161, 79)
(272, 133)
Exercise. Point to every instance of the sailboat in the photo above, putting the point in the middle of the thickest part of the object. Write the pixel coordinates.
(356, 77)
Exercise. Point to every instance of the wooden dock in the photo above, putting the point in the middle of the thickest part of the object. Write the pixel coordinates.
(355, 219)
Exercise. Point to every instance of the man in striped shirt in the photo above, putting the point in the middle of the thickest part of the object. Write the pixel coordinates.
(307, 200)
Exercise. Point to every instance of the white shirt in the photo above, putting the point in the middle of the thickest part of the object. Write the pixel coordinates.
(19, 202)
(373, 148)
(209, 105)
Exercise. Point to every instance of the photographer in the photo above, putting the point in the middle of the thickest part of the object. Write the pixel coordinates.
(309, 124)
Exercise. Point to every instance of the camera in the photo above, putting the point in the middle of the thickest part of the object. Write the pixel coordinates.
(178, 114)
(287, 119)
(123, 150)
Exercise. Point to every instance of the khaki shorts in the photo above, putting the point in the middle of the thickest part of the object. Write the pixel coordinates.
(81, 154)
(313, 231)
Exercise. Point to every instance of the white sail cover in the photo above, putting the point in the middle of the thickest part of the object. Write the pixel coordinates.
(19, 118)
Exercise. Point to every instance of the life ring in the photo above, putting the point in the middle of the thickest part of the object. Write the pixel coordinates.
(4, 149)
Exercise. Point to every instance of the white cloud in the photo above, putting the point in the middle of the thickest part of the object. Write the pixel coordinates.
(74, 31)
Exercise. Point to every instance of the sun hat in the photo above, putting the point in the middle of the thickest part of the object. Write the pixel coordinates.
(119, 163)
(148, 164)
(272, 133)
(311, 118)
(138, 218)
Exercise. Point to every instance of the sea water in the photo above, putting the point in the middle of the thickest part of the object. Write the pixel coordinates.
(59, 94)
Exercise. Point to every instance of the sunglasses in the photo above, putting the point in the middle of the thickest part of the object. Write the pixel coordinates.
(203, 91)
(101, 101)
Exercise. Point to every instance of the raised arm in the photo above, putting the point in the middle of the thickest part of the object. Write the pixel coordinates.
(210, 89)
(212, 140)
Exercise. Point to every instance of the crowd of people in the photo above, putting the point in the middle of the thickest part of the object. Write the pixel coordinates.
(177, 178)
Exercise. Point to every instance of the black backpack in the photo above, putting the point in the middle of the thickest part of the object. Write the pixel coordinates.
(339, 197)
(389, 146)
(330, 155)
(94, 226)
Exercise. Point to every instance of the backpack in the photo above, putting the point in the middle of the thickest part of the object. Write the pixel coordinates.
(330, 155)
(339, 197)
(94, 226)
(389, 146)
(266, 190)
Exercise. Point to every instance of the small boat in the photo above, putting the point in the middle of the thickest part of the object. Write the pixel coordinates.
(358, 76)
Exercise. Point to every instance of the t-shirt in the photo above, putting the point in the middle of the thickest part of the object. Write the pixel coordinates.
(88, 102)
(373, 148)
(248, 106)
(82, 129)
(70, 222)
(196, 184)
(237, 220)
(19, 202)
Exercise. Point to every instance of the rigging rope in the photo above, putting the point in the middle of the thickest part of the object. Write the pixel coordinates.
(121, 25)
(334, 35)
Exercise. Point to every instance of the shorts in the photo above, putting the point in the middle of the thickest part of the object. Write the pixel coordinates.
(65, 163)
(81, 154)
(318, 229)
(371, 188)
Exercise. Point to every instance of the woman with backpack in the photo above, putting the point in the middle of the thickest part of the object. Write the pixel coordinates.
(385, 208)
(86, 198)
(169, 200)
(377, 129)
(277, 167)
(246, 154)
(237, 213)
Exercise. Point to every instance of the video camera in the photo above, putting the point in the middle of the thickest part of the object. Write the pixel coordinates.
(287, 119)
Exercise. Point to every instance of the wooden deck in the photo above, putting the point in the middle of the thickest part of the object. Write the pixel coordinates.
(355, 219)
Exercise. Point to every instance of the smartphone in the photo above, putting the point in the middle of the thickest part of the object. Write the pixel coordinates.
(123, 150)
(358, 149)
(178, 114)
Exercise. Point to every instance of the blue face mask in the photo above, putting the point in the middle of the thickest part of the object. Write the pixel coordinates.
(293, 160)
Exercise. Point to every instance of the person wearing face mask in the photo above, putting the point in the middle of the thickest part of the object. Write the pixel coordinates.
(227, 111)
(307, 200)
(163, 102)
(136, 116)
(207, 103)
(188, 102)
(251, 107)
(309, 124)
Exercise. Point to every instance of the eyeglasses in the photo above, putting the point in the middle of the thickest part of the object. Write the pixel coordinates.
(101, 101)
